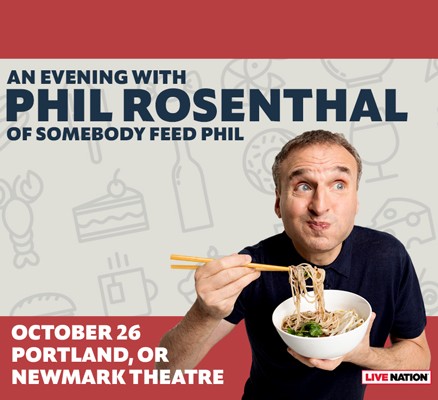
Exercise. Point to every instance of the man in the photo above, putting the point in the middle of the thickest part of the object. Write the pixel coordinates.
(316, 176)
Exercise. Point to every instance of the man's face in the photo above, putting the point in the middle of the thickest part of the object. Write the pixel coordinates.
(317, 200)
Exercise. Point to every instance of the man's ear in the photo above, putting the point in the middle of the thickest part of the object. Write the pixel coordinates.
(277, 203)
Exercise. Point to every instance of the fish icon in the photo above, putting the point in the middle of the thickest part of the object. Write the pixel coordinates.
(408, 220)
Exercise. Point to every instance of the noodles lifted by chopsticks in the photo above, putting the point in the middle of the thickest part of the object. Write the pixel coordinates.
(319, 322)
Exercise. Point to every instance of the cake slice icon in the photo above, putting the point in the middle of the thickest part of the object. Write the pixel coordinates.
(120, 211)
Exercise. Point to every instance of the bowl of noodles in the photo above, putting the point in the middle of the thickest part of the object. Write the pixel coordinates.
(318, 323)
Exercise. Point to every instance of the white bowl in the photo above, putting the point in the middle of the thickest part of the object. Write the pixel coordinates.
(325, 347)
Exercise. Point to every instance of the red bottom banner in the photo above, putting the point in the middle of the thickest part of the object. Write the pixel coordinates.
(113, 357)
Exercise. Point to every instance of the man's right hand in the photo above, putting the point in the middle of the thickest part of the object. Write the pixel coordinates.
(219, 282)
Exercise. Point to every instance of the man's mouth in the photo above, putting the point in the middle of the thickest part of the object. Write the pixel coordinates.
(318, 225)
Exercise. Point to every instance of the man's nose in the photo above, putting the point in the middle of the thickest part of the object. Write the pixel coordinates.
(320, 202)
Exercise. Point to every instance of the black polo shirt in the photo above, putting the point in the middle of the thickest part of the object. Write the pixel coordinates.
(372, 264)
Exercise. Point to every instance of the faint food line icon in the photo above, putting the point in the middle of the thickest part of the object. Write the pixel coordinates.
(377, 143)
(120, 211)
(251, 74)
(408, 220)
(126, 291)
(48, 304)
(357, 72)
(123, 292)
(190, 191)
(360, 72)
(432, 70)
(17, 215)
(429, 289)
(259, 156)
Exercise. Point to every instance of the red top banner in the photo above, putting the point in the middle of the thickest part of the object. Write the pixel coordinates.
(226, 29)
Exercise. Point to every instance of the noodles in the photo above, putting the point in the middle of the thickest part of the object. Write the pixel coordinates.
(319, 322)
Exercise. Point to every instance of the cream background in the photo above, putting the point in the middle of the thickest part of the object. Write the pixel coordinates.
(242, 214)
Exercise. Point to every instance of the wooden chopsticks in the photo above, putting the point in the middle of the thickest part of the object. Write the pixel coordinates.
(260, 267)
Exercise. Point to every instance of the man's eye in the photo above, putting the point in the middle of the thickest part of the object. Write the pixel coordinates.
(339, 186)
(303, 187)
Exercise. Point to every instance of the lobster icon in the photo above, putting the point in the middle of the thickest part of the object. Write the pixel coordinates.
(18, 217)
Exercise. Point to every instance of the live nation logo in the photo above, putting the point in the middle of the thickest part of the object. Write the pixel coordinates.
(396, 377)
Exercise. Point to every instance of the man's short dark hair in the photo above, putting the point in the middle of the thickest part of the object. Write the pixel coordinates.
(310, 138)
